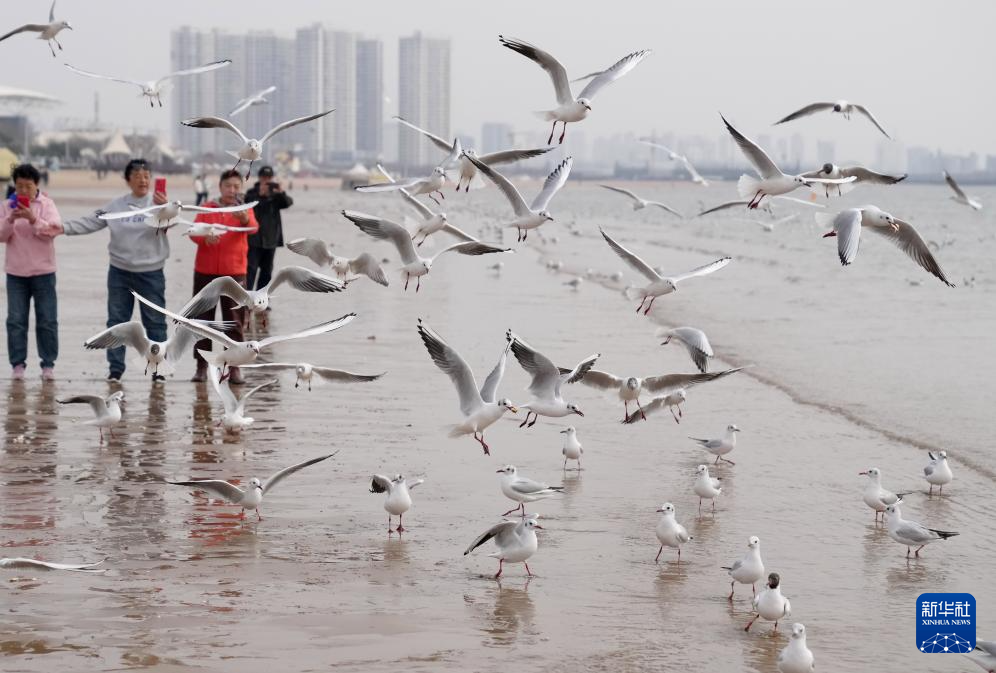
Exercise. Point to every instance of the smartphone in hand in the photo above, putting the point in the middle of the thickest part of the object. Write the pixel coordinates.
(161, 185)
(23, 201)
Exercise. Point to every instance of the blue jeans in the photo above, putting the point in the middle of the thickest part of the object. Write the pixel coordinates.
(20, 290)
(121, 304)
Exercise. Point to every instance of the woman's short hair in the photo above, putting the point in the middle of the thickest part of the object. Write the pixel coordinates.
(26, 172)
(136, 165)
(230, 173)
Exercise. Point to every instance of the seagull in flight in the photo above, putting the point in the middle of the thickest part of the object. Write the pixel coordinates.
(160, 355)
(960, 196)
(167, 215)
(35, 564)
(547, 379)
(106, 410)
(848, 224)
(252, 149)
(153, 88)
(841, 107)
(321, 254)
(258, 98)
(258, 301)
(468, 172)
(569, 108)
(431, 222)
(860, 173)
(765, 206)
(414, 266)
(234, 418)
(252, 497)
(674, 156)
(433, 184)
(659, 285)
(528, 216)
(695, 342)
(640, 204)
(305, 371)
(773, 182)
(480, 407)
(46, 31)
(629, 388)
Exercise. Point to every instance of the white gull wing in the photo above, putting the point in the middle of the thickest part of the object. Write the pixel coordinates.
(764, 166)
(502, 532)
(131, 213)
(457, 232)
(321, 328)
(553, 183)
(867, 113)
(293, 122)
(87, 73)
(623, 191)
(343, 376)
(453, 366)
(530, 487)
(436, 140)
(697, 344)
(635, 262)
(847, 224)
(179, 343)
(35, 564)
(193, 71)
(51, 12)
(614, 72)
(222, 209)
(509, 156)
(207, 298)
(97, 404)
(126, 333)
(195, 326)
(249, 393)
(603, 380)
(315, 250)
(954, 186)
(385, 230)
(553, 67)
(219, 487)
(866, 175)
(380, 484)
(222, 389)
(812, 108)
(489, 391)
(909, 241)
(519, 205)
(304, 280)
(666, 207)
(214, 123)
(703, 270)
(474, 247)
(672, 382)
(545, 383)
(275, 479)
(26, 28)
(365, 264)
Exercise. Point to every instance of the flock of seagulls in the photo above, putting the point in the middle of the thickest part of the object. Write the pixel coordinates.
(481, 406)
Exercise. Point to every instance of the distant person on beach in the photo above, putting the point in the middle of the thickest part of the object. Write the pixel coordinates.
(28, 221)
(223, 255)
(264, 243)
(200, 189)
(138, 254)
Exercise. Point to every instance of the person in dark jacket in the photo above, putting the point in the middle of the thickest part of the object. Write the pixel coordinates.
(264, 243)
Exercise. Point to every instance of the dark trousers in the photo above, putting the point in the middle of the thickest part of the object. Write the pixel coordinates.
(201, 198)
(229, 311)
(262, 259)
(121, 304)
(20, 291)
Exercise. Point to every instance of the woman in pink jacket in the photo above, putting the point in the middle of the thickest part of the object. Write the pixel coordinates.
(26, 226)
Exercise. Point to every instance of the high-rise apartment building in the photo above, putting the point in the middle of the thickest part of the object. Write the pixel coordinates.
(423, 97)
(369, 99)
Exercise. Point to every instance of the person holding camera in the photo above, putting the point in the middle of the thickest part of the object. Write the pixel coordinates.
(263, 244)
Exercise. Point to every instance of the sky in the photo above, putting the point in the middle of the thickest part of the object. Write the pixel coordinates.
(923, 68)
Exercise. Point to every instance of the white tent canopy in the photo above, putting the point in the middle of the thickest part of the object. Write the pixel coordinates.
(116, 146)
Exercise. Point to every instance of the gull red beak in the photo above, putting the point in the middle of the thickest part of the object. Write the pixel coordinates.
(539, 526)
(830, 234)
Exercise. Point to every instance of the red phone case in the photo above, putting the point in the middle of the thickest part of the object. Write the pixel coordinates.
(161, 185)
(23, 201)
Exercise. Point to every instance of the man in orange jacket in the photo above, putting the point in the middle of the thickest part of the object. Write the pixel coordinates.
(223, 255)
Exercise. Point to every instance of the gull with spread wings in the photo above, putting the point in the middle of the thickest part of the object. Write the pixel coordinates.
(841, 107)
(106, 410)
(640, 204)
(153, 88)
(321, 254)
(860, 173)
(431, 222)
(681, 158)
(160, 355)
(960, 196)
(433, 184)
(629, 388)
(258, 301)
(234, 418)
(258, 98)
(547, 380)
(46, 31)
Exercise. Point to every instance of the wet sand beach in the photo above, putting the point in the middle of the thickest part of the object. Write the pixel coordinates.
(853, 367)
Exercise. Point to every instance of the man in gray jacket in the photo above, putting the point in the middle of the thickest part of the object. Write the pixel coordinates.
(138, 254)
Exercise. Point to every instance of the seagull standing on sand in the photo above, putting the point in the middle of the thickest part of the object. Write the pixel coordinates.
(321, 254)
(107, 410)
(911, 533)
(569, 108)
(841, 107)
(695, 342)
(572, 448)
(534, 215)
(937, 472)
(522, 490)
(772, 181)
(706, 486)
(547, 380)
(252, 148)
(252, 497)
(770, 604)
(960, 196)
(659, 285)
(877, 497)
(480, 408)
(305, 371)
(516, 542)
(258, 98)
(848, 225)
(468, 171)
(720, 447)
(796, 657)
(670, 533)
(414, 265)
(640, 204)
(46, 31)
(398, 500)
(153, 88)
(749, 569)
